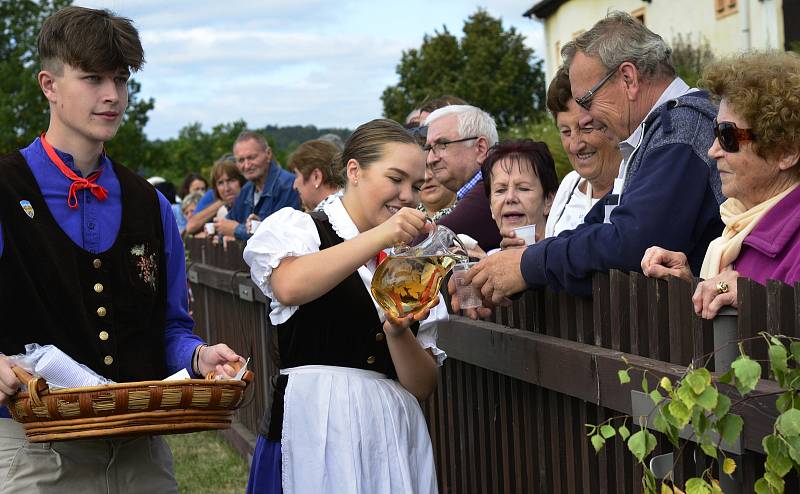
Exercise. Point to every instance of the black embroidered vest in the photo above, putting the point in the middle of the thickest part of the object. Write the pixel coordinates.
(107, 310)
(340, 328)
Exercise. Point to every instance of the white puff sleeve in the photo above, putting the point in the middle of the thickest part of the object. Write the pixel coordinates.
(285, 233)
(429, 332)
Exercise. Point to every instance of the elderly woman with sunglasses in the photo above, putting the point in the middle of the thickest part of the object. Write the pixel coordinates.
(757, 149)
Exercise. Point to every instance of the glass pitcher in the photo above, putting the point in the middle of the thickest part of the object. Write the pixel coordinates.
(409, 278)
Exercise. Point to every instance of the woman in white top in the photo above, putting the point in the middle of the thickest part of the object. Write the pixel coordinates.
(345, 415)
(593, 153)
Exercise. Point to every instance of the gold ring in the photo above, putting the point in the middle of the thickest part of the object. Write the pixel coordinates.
(722, 287)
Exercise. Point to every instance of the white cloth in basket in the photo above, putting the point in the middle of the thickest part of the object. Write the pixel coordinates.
(57, 368)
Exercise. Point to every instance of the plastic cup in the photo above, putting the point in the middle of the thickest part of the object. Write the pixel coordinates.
(209, 228)
(527, 233)
(468, 296)
(254, 226)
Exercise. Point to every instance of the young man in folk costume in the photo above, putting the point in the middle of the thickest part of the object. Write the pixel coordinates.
(90, 261)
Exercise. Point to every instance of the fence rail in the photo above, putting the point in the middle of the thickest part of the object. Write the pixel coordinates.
(512, 399)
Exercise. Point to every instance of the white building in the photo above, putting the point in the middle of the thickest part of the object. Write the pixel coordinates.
(729, 26)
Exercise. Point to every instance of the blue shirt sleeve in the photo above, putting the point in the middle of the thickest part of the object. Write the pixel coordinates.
(205, 201)
(669, 203)
(179, 340)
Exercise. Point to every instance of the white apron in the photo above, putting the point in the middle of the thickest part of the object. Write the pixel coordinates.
(349, 430)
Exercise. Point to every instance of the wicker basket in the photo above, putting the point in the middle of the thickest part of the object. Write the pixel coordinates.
(125, 409)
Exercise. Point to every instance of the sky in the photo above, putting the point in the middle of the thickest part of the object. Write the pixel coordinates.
(286, 62)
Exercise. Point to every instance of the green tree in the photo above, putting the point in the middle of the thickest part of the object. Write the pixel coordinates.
(489, 66)
(23, 107)
(690, 57)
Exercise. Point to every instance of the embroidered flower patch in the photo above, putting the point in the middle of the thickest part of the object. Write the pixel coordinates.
(147, 264)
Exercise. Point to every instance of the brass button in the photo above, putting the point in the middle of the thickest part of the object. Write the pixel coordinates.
(97, 263)
(98, 287)
(370, 359)
(103, 335)
(108, 360)
(379, 336)
(101, 311)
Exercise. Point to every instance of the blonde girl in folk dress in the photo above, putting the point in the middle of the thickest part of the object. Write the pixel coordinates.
(344, 416)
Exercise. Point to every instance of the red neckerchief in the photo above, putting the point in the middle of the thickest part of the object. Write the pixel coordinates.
(78, 183)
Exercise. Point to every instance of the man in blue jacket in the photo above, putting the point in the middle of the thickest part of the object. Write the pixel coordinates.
(668, 191)
(269, 187)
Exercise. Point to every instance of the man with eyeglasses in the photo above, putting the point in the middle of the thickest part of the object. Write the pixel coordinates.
(668, 190)
(458, 140)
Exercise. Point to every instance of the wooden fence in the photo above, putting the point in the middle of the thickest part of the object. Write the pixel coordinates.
(513, 396)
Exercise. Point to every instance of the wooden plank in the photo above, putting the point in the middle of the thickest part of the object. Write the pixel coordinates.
(602, 306)
(752, 298)
(576, 369)
(638, 309)
(780, 308)
(658, 319)
(680, 316)
(619, 310)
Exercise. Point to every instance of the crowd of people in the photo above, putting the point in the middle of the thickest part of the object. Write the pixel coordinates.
(667, 179)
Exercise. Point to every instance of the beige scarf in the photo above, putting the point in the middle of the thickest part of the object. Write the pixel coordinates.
(739, 222)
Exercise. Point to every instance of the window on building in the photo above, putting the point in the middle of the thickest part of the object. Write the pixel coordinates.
(638, 14)
(724, 8)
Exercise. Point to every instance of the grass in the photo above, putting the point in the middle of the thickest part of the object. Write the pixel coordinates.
(205, 463)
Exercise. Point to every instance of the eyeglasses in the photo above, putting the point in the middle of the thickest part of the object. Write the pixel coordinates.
(439, 147)
(585, 101)
(729, 136)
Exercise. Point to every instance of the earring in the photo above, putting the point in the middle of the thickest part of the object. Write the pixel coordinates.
(316, 186)
(355, 182)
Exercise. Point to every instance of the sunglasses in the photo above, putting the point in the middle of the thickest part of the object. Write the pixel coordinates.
(729, 136)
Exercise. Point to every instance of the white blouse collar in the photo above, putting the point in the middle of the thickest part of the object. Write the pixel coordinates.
(340, 220)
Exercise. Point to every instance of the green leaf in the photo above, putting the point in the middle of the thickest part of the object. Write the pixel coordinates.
(708, 398)
(681, 414)
(784, 401)
(607, 431)
(789, 422)
(747, 373)
(655, 395)
(730, 427)
(723, 405)
(645, 384)
(698, 380)
(777, 357)
(623, 432)
(665, 383)
(774, 481)
(709, 450)
(598, 442)
(623, 376)
(762, 487)
(642, 444)
(794, 448)
(794, 347)
(648, 481)
(778, 459)
(726, 378)
(697, 486)
(687, 396)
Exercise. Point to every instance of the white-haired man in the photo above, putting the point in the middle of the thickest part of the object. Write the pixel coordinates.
(458, 140)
